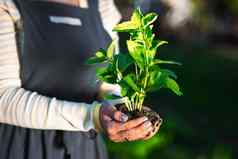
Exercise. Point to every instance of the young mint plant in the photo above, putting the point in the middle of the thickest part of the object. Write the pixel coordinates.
(138, 72)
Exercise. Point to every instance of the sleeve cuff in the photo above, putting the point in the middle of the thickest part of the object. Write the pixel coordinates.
(96, 118)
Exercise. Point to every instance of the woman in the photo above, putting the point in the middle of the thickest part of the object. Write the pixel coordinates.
(46, 88)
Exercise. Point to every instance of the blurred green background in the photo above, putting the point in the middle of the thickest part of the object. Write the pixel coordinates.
(203, 35)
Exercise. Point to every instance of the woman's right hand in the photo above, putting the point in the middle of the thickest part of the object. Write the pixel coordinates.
(119, 129)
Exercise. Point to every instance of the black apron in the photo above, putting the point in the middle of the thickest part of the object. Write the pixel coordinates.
(53, 64)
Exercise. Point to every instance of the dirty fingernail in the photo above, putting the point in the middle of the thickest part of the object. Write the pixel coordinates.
(147, 124)
(145, 119)
(123, 117)
(153, 130)
(148, 134)
(160, 121)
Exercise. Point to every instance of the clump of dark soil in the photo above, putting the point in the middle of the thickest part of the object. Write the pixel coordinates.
(152, 115)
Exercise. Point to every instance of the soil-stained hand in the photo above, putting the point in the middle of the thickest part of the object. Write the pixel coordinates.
(118, 129)
(156, 126)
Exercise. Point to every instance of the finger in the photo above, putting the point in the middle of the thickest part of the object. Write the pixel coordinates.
(146, 108)
(129, 136)
(160, 121)
(131, 124)
(113, 127)
(106, 118)
(133, 136)
(136, 133)
(119, 116)
(145, 134)
(116, 138)
(115, 114)
(153, 132)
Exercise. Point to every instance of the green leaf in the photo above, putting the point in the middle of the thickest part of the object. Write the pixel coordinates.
(107, 78)
(136, 17)
(104, 74)
(138, 36)
(118, 72)
(149, 19)
(124, 88)
(111, 49)
(126, 27)
(99, 57)
(131, 81)
(124, 61)
(169, 73)
(149, 34)
(157, 61)
(95, 60)
(137, 52)
(160, 43)
(123, 91)
(101, 71)
(155, 45)
(111, 97)
(157, 79)
(172, 85)
(151, 53)
(101, 53)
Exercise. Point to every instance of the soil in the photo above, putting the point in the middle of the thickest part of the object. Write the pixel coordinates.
(152, 115)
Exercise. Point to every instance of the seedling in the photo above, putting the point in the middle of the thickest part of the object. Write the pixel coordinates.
(139, 71)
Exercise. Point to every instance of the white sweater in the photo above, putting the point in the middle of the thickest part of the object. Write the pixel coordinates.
(24, 108)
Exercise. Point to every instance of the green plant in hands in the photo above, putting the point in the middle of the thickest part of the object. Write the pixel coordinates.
(138, 72)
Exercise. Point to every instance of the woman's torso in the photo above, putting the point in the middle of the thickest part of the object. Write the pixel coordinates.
(58, 39)
(53, 64)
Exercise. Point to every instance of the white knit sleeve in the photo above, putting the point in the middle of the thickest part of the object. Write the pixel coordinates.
(28, 109)
(110, 16)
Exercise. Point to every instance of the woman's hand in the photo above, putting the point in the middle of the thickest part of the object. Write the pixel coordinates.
(119, 129)
(156, 126)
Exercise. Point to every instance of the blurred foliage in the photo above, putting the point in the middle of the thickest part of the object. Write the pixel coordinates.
(233, 6)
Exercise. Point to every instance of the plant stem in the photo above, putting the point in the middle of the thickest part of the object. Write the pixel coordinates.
(141, 98)
(136, 69)
(138, 101)
(128, 105)
(133, 103)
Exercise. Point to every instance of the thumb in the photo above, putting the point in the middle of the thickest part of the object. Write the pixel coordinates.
(119, 116)
(114, 113)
